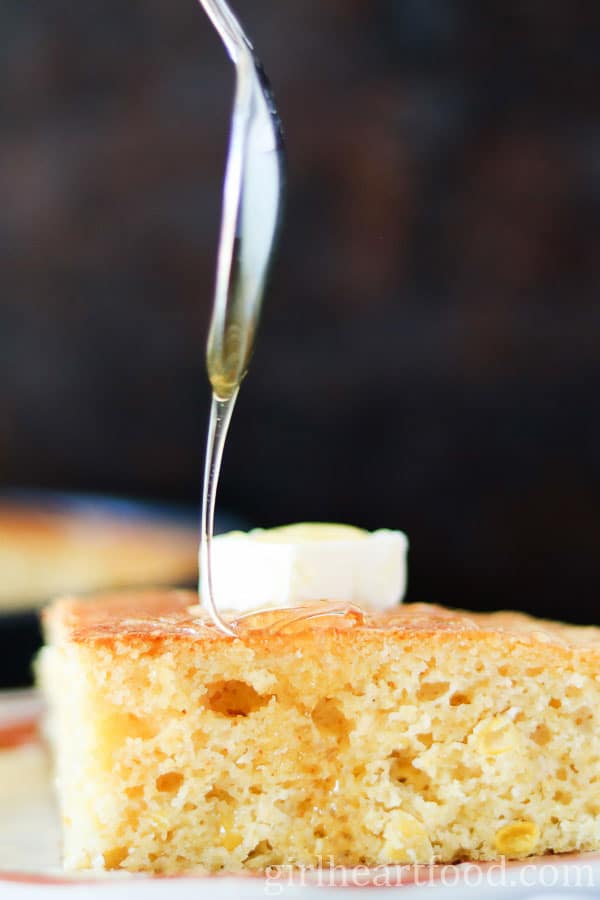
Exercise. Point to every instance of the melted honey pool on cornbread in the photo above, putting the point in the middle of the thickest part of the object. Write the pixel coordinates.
(405, 736)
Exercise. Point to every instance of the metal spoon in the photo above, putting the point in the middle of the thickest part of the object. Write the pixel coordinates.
(252, 198)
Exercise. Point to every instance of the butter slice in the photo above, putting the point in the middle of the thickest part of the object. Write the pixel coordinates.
(304, 562)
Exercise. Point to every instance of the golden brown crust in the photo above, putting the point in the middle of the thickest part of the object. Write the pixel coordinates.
(154, 617)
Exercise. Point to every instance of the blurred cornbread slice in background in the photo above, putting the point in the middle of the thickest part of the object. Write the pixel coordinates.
(49, 548)
(407, 736)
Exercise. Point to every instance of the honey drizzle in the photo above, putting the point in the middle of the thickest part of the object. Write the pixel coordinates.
(195, 620)
(284, 617)
(304, 613)
(276, 619)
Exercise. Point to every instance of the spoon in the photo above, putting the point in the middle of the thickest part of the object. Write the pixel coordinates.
(252, 199)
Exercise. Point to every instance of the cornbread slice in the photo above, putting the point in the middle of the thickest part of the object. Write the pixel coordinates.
(49, 548)
(407, 736)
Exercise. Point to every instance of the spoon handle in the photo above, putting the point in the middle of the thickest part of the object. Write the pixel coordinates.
(252, 194)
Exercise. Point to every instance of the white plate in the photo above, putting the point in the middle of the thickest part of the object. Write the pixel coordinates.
(30, 852)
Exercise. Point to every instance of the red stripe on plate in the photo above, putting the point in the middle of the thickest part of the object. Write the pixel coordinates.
(15, 734)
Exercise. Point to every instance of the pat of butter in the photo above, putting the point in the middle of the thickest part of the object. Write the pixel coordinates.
(309, 561)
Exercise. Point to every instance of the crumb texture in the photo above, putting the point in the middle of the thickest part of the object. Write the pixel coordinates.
(368, 744)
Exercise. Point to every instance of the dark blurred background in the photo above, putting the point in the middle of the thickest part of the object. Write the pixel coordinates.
(430, 351)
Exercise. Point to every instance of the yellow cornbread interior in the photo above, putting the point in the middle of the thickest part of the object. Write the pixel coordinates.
(246, 755)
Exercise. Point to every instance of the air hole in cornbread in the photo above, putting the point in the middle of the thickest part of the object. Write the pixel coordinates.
(217, 793)
(234, 698)
(460, 698)
(431, 690)
(461, 772)
(169, 782)
(262, 848)
(403, 771)
(330, 720)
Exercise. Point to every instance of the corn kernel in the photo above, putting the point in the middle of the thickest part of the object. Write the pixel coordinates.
(496, 735)
(231, 840)
(517, 839)
(114, 858)
(228, 838)
(405, 839)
